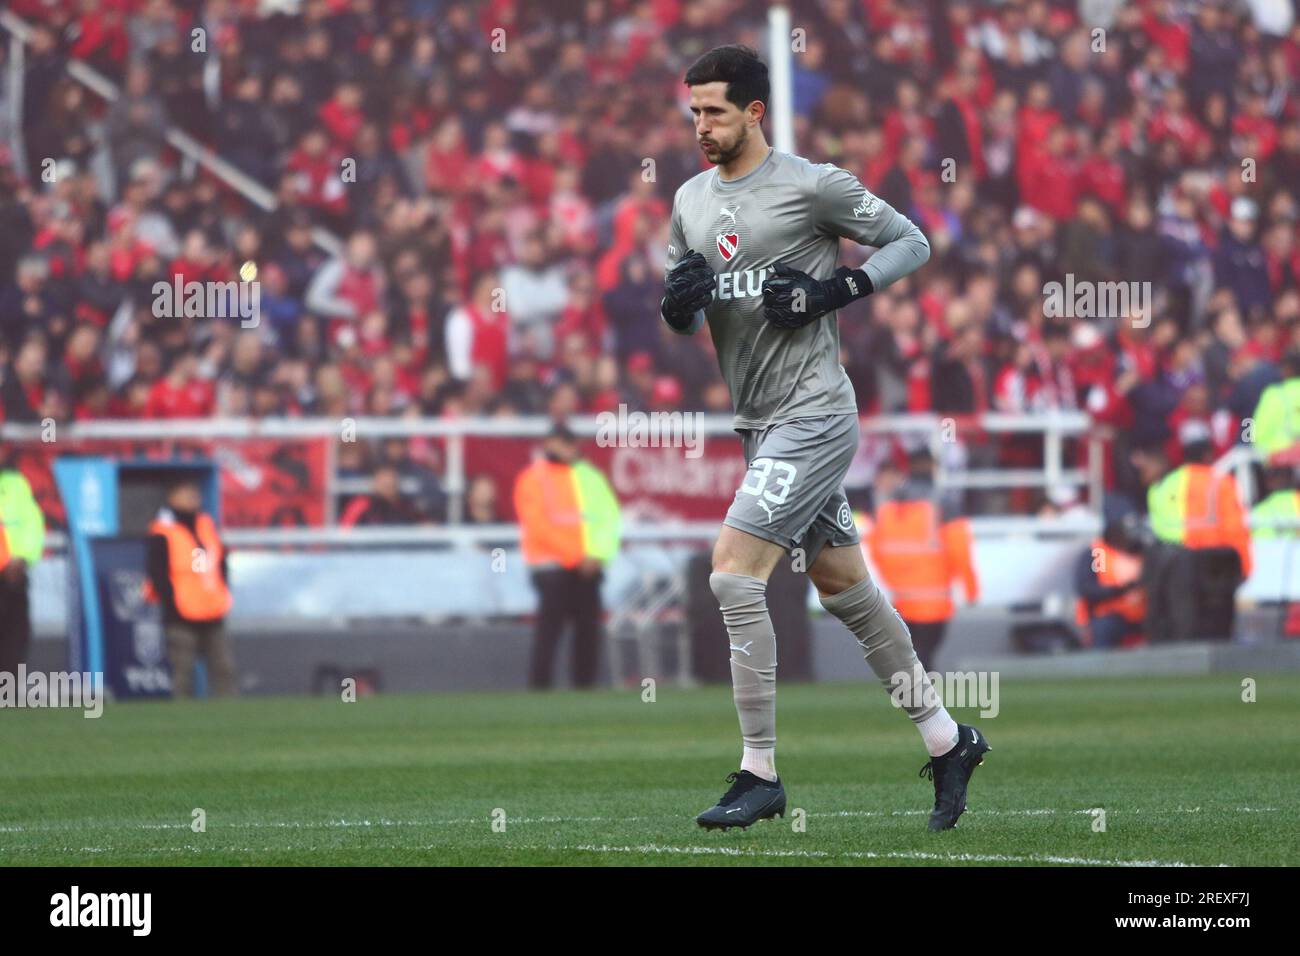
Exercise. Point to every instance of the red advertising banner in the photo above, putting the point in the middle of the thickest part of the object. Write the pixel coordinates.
(282, 482)
(652, 484)
(273, 482)
(265, 482)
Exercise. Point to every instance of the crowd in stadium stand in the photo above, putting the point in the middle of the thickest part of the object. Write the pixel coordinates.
(502, 147)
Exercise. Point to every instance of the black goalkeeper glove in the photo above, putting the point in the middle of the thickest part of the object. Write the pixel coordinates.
(792, 299)
(688, 287)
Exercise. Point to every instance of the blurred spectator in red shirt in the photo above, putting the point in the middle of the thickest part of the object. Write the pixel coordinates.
(342, 116)
(181, 393)
(316, 167)
(350, 286)
(478, 333)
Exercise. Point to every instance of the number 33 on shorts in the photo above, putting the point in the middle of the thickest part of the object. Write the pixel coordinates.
(782, 474)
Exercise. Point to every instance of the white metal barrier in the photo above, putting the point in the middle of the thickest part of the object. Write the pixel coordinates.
(939, 431)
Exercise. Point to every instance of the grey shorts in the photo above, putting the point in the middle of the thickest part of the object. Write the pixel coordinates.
(793, 494)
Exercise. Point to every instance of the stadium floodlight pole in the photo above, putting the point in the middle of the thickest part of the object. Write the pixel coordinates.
(781, 74)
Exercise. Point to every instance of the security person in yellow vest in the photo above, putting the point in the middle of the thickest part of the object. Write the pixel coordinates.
(22, 539)
(188, 576)
(1282, 505)
(1277, 416)
(1193, 510)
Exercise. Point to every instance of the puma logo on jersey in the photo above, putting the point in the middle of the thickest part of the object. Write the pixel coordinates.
(763, 504)
(728, 237)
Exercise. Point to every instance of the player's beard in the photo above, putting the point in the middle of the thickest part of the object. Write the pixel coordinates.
(725, 156)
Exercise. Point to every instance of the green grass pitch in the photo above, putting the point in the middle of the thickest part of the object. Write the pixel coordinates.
(1184, 769)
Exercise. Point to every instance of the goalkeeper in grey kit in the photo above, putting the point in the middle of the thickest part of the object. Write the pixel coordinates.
(752, 254)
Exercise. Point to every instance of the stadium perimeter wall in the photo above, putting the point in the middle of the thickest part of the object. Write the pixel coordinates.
(470, 656)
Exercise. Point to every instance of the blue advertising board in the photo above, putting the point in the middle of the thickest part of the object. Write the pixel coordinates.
(134, 654)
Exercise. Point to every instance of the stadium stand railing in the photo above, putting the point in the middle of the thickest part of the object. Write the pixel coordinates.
(1055, 430)
(190, 150)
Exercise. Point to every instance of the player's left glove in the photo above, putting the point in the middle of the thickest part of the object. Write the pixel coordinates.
(792, 299)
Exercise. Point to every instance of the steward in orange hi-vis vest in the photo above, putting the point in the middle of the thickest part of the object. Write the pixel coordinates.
(920, 553)
(1108, 579)
(570, 527)
(567, 513)
(189, 578)
(1198, 507)
(194, 567)
(1118, 574)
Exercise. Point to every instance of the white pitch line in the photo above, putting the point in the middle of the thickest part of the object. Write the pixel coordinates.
(317, 824)
(1041, 812)
(657, 849)
(470, 821)
(652, 848)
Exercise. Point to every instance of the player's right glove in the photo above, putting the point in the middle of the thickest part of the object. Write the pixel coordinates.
(688, 287)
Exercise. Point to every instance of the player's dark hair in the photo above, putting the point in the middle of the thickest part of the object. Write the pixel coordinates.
(740, 68)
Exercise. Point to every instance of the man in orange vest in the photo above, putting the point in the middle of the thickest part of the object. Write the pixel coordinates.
(921, 550)
(1108, 580)
(569, 530)
(187, 567)
(1198, 521)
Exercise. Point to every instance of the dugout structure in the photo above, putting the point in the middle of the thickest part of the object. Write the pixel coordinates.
(111, 628)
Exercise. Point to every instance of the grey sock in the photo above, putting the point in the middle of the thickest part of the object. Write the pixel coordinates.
(886, 643)
(743, 600)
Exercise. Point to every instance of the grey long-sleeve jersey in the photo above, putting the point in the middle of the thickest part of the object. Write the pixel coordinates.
(793, 211)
